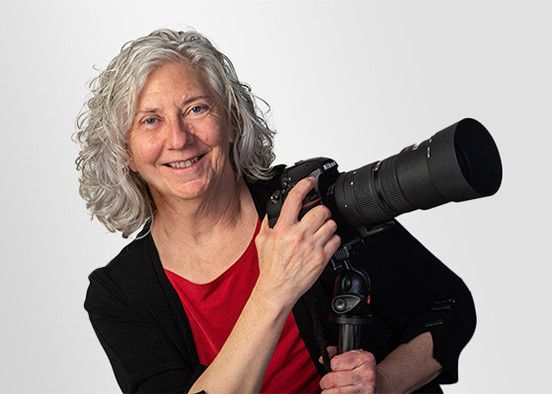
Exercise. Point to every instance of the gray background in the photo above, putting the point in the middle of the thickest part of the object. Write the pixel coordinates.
(356, 81)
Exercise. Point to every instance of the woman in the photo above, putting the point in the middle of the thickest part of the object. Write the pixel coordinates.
(209, 297)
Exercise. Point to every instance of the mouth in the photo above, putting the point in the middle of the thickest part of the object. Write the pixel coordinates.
(184, 164)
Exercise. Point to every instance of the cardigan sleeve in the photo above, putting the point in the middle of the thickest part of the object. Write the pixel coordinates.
(140, 323)
(412, 293)
(143, 356)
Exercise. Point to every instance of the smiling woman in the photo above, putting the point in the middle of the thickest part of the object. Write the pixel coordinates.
(209, 297)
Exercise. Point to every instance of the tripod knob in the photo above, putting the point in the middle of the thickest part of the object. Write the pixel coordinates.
(345, 303)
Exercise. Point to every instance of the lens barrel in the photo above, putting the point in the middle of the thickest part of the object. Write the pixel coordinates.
(457, 164)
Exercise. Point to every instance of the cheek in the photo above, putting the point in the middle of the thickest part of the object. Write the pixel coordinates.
(225, 132)
(142, 153)
(217, 136)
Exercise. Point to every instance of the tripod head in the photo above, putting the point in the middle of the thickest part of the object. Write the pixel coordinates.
(351, 301)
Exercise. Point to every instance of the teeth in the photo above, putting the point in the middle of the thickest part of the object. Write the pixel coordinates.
(184, 164)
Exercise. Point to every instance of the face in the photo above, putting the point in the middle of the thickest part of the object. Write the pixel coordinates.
(179, 140)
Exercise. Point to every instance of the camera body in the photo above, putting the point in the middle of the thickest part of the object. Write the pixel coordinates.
(325, 171)
(321, 168)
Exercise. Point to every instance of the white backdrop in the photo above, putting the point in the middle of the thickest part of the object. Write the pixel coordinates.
(353, 80)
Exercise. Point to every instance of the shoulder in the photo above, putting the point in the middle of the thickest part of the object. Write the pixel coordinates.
(127, 277)
(130, 260)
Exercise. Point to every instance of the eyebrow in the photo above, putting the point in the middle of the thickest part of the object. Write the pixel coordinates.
(147, 111)
(184, 103)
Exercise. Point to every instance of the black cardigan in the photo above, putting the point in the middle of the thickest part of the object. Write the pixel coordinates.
(141, 324)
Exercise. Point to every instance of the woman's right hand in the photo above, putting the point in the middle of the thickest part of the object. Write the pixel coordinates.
(293, 254)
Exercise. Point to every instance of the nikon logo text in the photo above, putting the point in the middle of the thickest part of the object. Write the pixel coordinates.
(327, 166)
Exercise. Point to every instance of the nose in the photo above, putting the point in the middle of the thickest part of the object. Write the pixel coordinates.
(178, 134)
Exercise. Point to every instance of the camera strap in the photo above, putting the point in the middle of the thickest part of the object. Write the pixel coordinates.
(319, 334)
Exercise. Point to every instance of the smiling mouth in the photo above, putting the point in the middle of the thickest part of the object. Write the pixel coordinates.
(184, 164)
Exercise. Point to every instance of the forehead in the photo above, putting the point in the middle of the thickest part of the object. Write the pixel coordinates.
(176, 81)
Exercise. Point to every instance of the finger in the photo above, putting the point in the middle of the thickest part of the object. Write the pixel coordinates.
(352, 359)
(332, 351)
(316, 217)
(348, 382)
(326, 237)
(332, 245)
(294, 201)
(322, 229)
(340, 380)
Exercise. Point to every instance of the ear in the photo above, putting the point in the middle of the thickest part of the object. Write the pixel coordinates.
(132, 164)
(232, 135)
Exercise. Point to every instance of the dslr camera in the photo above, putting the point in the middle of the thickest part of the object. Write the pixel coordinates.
(459, 163)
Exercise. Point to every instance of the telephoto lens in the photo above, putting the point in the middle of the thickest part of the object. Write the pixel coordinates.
(457, 164)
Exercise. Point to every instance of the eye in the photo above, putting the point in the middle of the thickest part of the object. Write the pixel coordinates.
(150, 121)
(197, 109)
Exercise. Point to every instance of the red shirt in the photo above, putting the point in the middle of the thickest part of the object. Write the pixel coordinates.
(213, 309)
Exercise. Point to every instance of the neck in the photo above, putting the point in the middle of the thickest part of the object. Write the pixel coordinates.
(196, 220)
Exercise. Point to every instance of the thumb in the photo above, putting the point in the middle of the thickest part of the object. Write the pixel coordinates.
(332, 351)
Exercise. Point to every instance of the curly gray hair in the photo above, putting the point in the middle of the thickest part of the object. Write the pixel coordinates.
(120, 198)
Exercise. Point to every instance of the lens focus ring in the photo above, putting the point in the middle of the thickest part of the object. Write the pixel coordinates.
(391, 193)
(367, 197)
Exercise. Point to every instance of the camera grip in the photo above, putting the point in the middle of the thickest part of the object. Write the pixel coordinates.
(274, 206)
